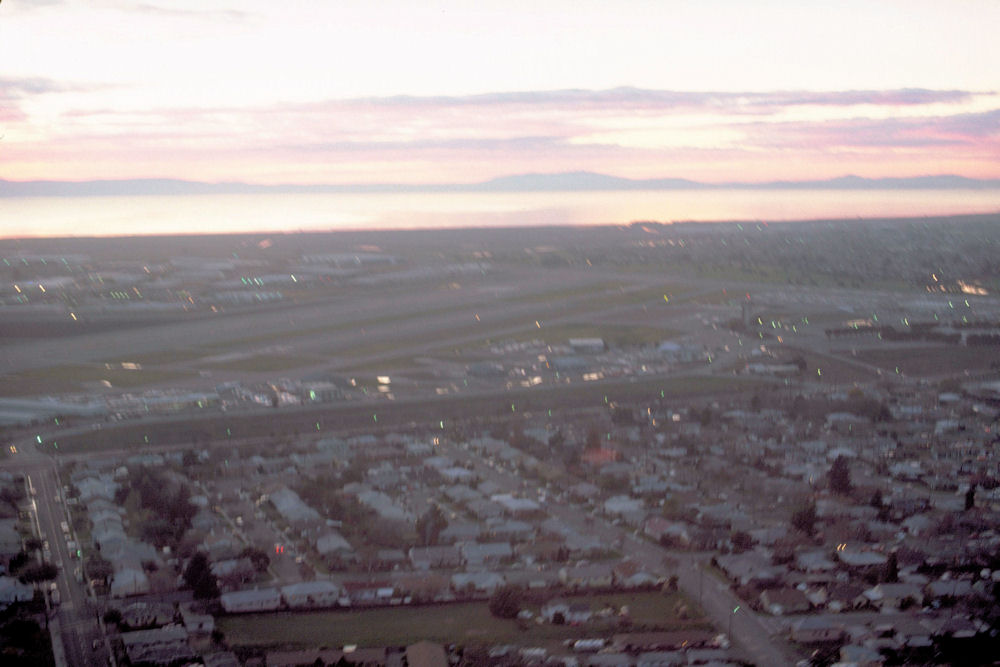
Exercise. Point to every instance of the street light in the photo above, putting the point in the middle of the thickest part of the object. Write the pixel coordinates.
(730, 633)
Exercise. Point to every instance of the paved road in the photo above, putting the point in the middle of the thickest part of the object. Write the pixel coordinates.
(74, 623)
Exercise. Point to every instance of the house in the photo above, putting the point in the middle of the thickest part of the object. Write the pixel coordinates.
(476, 582)
(12, 590)
(129, 581)
(749, 567)
(162, 646)
(333, 545)
(661, 659)
(594, 575)
(264, 599)
(195, 623)
(781, 601)
(861, 656)
(424, 586)
(707, 656)
(511, 530)
(459, 531)
(892, 596)
(368, 592)
(813, 561)
(674, 533)
(220, 659)
(948, 588)
(516, 507)
(608, 660)
(629, 574)
(147, 614)
(532, 579)
(291, 507)
(659, 641)
(389, 559)
(911, 633)
(861, 560)
(310, 594)
(560, 610)
(813, 629)
(841, 596)
(490, 552)
(435, 557)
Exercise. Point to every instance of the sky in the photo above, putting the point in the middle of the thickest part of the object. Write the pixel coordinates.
(380, 91)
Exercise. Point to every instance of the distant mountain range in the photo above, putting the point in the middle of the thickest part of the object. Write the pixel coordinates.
(565, 182)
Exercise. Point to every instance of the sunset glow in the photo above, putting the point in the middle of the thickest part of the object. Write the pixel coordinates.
(446, 92)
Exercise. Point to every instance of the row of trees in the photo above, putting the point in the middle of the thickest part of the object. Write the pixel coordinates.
(164, 506)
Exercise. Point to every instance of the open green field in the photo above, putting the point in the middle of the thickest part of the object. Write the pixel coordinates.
(464, 623)
(564, 293)
(932, 360)
(263, 363)
(75, 377)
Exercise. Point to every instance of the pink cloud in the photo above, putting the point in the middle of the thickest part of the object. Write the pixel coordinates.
(468, 138)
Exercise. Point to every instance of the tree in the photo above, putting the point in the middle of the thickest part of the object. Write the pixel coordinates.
(505, 602)
(113, 616)
(37, 573)
(804, 519)
(891, 574)
(17, 561)
(199, 578)
(593, 440)
(99, 568)
(741, 541)
(839, 476)
(258, 557)
(189, 458)
(12, 495)
(970, 498)
(429, 526)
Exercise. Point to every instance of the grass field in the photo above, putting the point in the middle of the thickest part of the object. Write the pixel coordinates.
(932, 360)
(74, 377)
(262, 363)
(464, 623)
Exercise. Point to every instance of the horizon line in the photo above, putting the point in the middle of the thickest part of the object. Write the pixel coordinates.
(519, 182)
